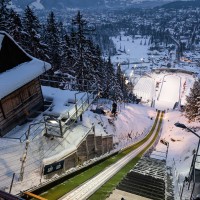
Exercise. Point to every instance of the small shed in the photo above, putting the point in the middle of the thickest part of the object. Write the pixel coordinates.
(20, 89)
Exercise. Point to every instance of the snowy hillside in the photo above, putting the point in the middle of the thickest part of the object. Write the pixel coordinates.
(37, 5)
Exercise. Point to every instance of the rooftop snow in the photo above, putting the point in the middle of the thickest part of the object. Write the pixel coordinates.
(20, 75)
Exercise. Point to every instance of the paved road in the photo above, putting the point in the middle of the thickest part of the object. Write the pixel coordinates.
(89, 187)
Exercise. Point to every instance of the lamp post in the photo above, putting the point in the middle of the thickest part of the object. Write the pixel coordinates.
(179, 125)
(166, 144)
(128, 59)
(132, 75)
(142, 60)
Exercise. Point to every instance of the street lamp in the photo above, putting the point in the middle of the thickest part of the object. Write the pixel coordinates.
(163, 141)
(179, 125)
(128, 59)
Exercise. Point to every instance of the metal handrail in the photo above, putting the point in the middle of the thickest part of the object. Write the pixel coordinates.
(80, 106)
(77, 112)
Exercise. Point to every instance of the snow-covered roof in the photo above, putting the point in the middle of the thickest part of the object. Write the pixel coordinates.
(15, 77)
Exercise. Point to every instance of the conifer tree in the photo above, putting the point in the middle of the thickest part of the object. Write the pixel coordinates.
(84, 51)
(120, 75)
(4, 13)
(15, 26)
(68, 56)
(192, 108)
(79, 43)
(121, 80)
(112, 86)
(32, 40)
(52, 39)
(99, 65)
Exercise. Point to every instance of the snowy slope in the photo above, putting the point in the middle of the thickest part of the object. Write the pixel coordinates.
(169, 92)
(145, 88)
(37, 5)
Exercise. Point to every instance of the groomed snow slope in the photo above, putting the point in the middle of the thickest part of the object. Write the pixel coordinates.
(169, 92)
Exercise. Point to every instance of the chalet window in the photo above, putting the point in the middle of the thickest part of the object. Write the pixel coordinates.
(11, 104)
(32, 90)
(24, 95)
(28, 92)
(16, 101)
(20, 98)
(7, 106)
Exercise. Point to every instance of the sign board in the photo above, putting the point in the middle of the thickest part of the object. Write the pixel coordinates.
(53, 167)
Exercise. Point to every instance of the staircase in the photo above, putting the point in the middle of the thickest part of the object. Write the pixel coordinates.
(147, 179)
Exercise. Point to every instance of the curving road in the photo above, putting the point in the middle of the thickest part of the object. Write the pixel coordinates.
(89, 187)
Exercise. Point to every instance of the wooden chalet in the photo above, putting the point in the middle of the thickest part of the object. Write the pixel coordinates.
(20, 89)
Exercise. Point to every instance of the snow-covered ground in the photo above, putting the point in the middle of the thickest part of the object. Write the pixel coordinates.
(135, 120)
(145, 88)
(171, 88)
(129, 49)
(181, 148)
(44, 150)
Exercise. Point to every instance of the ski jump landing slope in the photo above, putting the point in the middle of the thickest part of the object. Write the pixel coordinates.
(145, 88)
(169, 92)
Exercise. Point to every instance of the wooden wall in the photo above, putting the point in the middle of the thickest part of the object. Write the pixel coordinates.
(92, 146)
(99, 145)
(107, 144)
(15, 107)
(104, 145)
(82, 152)
(70, 161)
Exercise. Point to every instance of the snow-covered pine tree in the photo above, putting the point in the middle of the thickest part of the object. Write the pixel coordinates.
(32, 40)
(53, 41)
(15, 26)
(99, 69)
(68, 57)
(4, 13)
(121, 80)
(192, 107)
(84, 52)
(112, 88)
(62, 30)
(79, 43)
(120, 76)
(62, 33)
(92, 63)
